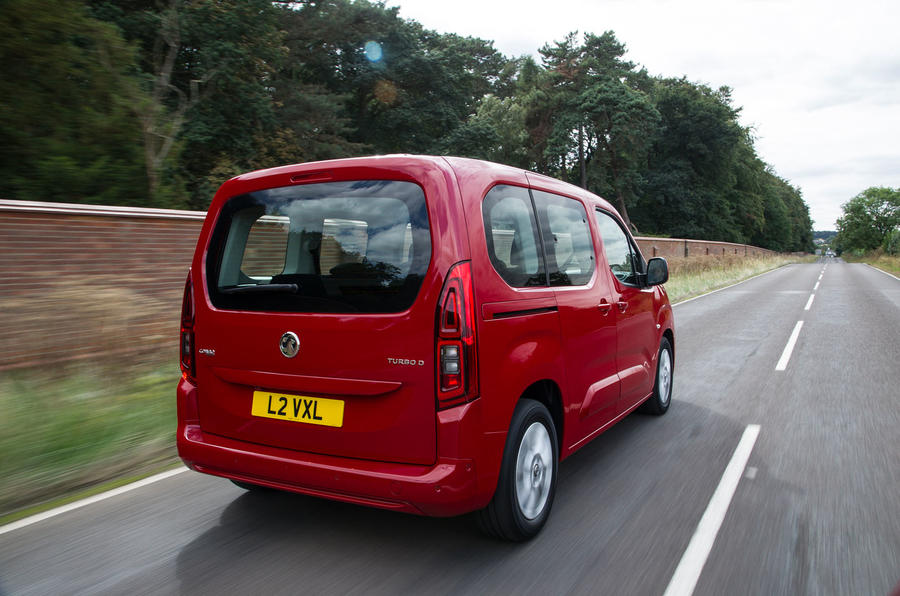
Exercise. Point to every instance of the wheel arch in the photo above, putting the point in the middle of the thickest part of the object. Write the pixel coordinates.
(547, 392)
(670, 335)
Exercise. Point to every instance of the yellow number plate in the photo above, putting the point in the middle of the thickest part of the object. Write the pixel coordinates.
(298, 408)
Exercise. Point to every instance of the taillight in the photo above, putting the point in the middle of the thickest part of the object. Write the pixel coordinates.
(188, 370)
(457, 360)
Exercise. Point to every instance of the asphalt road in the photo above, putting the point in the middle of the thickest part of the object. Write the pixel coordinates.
(816, 511)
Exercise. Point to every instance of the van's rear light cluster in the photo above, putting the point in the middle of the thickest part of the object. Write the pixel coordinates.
(457, 360)
(188, 370)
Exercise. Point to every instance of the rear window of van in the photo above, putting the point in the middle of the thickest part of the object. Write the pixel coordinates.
(361, 246)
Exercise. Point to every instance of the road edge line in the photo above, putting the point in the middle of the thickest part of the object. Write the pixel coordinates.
(686, 575)
(882, 271)
(39, 517)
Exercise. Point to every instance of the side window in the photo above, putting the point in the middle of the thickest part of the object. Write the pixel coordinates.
(623, 260)
(343, 241)
(266, 244)
(511, 234)
(567, 239)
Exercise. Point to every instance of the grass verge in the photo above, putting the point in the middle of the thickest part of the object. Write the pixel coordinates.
(692, 277)
(72, 433)
(885, 262)
(64, 431)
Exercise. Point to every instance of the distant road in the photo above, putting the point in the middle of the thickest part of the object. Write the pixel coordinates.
(816, 509)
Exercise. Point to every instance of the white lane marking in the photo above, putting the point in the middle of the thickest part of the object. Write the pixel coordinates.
(816, 287)
(881, 271)
(684, 580)
(789, 348)
(810, 301)
(39, 517)
(820, 277)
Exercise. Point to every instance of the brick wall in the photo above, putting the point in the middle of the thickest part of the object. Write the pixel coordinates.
(85, 281)
(80, 281)
(675, 247)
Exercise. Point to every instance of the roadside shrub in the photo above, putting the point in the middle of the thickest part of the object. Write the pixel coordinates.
(891, 243)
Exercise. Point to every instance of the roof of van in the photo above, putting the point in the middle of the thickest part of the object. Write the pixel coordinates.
(462, 166)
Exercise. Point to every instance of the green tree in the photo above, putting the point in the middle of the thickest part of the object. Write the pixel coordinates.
(745, 194)
(231, 49)
(157, 103)
(690, 166)
(801, 235)
(67, 131)
(622, 125)
(563, 62)
(776, 234)
(206, 68)
(533, 92)
(869, 219)
(891, 244)
(496, 132)
(414, 90)
(602, 122)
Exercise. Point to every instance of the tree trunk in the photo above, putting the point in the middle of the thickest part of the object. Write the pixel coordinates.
(581, 155)
(623, 211)
(620, 194)
(160, 127)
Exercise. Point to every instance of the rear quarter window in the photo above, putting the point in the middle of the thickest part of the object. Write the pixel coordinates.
(512, 236)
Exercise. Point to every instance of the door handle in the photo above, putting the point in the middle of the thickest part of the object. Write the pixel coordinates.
(604, 307)
(623, 306)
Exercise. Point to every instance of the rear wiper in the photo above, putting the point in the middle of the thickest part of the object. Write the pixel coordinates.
(260, 288)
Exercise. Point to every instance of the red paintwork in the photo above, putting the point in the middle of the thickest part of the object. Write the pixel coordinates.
(396, 450)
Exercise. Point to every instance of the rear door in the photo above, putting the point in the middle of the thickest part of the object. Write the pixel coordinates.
(314, 337)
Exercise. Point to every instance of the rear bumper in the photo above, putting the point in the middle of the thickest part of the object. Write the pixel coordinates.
(449, 487)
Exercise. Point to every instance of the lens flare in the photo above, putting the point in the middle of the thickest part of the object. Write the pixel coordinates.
(385, 92)
(373, 51)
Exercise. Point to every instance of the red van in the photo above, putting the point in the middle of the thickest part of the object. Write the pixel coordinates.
(423, 334)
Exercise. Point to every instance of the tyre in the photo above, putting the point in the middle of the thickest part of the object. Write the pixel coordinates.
(528, 473)
(659, 400)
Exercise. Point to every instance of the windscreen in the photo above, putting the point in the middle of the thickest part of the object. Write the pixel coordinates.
(361, 246)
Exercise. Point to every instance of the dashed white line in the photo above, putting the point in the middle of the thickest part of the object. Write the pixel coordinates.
(816, 287)
(39, 517)
(810, 301)
(684, 580)
(789, 348)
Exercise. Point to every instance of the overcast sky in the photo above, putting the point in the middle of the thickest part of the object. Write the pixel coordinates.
(819, 81)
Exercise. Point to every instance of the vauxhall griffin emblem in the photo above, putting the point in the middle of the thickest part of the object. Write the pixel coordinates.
(289, 344)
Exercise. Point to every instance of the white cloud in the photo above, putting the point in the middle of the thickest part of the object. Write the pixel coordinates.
(818, 80)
